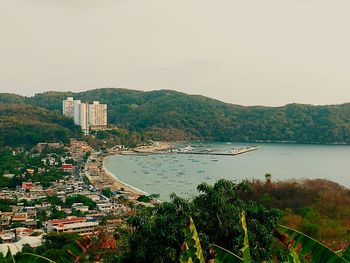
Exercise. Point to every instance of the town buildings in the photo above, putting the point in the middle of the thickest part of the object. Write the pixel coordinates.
(77, 225)
(88, 116)
(39, 208)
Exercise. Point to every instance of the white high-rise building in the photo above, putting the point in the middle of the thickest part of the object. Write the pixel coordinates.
(76, 112)
(68, 107)
(88, 116)
(97, 115)
(81, 116)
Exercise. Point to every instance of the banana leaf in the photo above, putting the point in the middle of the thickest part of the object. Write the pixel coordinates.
(222, 255)
(33, 258)
(306, 246)
(344, 253)
(192, 250)
(246, 249)
(9, 257)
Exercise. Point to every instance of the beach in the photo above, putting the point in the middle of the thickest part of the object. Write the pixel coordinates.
(100, 177)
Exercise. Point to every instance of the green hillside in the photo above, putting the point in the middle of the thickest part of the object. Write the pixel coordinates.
(26, 125)
(171, 114)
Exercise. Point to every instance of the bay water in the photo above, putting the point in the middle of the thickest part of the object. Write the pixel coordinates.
(164, 174)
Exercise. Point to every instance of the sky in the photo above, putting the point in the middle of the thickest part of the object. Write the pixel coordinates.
(248, 52)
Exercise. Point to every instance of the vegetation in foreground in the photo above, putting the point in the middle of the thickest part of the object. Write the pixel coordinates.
(156, 234)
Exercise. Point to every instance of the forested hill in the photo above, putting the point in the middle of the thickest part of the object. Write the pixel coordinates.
(26, 125)
(197, 117)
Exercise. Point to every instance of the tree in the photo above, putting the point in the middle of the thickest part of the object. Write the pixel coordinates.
(157, 232)
(54, 200)
(80, 199)
(56, 214)
(106, 192)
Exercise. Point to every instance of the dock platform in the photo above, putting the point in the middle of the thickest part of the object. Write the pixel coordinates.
(219, 153)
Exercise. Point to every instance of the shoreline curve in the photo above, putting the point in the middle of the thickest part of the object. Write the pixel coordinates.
(114, 177)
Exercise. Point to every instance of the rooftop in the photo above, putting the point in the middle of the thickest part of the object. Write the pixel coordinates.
(67, 221)
(76, 225)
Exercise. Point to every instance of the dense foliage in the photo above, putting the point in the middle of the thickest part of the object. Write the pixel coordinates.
(26, 125)
(226, 218)
(17, 162)
(176, 116)
(80, 199)
(157, 233)
(318, 208)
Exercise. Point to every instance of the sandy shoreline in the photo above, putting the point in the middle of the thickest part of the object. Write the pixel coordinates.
(120, 184)
(103, 178)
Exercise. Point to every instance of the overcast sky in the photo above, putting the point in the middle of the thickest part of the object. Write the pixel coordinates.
(267, 52)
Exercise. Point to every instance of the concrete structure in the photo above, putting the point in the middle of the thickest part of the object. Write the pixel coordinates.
(81, 207)
(76, 104)
(33, 241)
(27, 185)
(105, 207)
(83, 228)
(71, 225)
(88, 116)
(81, 115)
(67, 167)
(19, 217)
(97, 116)
(68, 107)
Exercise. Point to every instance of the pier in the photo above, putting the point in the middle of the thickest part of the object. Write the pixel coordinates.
(231, 153)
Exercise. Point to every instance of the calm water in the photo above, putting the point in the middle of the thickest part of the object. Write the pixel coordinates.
(164, 174)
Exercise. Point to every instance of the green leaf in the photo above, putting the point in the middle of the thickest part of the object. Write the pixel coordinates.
(294, 255)
(246, 248)
(222, 255)
(304, 245)
(9, 257)
(345, 253)
(192, 247)
(34, 258)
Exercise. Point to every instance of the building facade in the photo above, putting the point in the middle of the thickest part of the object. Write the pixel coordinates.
(77, 225)
(68, 107)
(97, 116)
(88, 116)
(81, 116)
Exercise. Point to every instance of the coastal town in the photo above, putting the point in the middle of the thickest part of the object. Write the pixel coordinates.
(64, 188)
(85, 196)
(174, 131)
(57, 188)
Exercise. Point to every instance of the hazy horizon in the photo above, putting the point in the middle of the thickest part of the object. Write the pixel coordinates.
(250, 52)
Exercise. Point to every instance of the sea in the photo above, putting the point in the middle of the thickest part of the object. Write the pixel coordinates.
(164, 174)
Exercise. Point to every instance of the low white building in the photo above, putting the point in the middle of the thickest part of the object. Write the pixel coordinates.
(71, 225)
(105, 207)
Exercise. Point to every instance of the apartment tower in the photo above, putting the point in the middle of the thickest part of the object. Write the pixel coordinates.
(88, 116)
(97, 116)
(68, 107)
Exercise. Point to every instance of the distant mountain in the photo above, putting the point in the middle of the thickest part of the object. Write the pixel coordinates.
(177, 115)
(26, 125)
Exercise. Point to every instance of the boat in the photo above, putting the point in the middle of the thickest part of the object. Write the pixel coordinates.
(188, 148)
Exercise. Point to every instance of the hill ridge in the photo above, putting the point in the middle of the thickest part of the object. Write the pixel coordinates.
(200, 117)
